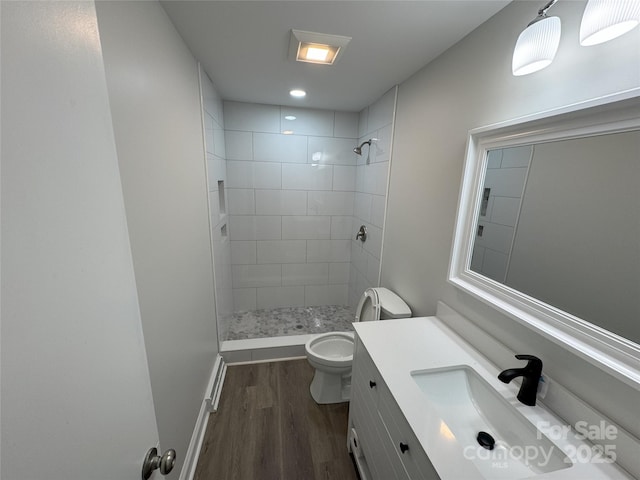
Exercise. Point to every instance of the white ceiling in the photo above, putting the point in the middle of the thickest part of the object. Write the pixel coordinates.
(243, 45)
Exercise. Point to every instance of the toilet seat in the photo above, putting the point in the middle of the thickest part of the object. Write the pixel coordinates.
(333, 349)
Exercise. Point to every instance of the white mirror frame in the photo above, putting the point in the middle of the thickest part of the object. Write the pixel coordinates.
(616, 113)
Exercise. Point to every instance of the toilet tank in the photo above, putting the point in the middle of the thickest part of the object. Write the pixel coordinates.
(391, 305)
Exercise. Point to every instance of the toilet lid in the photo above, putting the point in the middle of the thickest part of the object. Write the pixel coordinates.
(368, 307)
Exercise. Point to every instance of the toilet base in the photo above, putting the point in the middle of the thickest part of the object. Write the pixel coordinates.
(330, 387)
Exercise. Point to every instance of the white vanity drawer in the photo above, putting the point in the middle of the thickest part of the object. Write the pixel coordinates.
(365, 375)
(404, 441)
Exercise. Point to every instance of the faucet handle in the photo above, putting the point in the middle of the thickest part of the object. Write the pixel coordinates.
(533, 361)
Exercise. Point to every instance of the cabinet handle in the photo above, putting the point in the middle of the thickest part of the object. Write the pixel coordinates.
(372, 384)
(403, 447)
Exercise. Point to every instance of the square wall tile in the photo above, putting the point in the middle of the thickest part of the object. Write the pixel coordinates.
(251, 117)
(282, 251)
(306, 227)
(331, 151)
(308, 121)
(281, 202)
(280, 148)
(305, 274)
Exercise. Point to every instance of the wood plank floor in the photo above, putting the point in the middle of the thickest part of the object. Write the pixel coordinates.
(268, 427)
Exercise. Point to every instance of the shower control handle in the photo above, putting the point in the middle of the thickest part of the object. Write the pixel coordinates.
(362, 234)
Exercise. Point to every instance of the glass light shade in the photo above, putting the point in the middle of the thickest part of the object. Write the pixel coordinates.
(536, 46)
(604, 20)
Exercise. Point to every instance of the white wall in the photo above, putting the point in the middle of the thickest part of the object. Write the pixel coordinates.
(471, 85)
(76, 397)
(290, 201)
(372, 174)
(153, 83)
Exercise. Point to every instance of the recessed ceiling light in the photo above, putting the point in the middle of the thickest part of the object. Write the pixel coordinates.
(297, 93)
(290, 117)
(317, 48)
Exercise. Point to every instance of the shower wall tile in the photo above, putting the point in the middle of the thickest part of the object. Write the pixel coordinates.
(308, 121)
(339, 273)
(346, 125)
(344, 178)
(330, 203)
(273, 297)
(328, 250)
(307, 177)
(305, 274)
(291, 203)
(254, 175)
(282, 251)
(238, 145)
(245, 276)
(268, 147)
(241, 201)
(281, 202)
(244, 299)
(325, 295)
(378, 205)
(243, 252)
(251, 117)
(305, 227)
(331, 151)
(375, 122)
(341, 227)
(251, 227)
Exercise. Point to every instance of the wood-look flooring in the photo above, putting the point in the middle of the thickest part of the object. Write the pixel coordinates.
(268, 427)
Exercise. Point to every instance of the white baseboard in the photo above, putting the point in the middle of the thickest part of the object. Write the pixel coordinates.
(209, 404)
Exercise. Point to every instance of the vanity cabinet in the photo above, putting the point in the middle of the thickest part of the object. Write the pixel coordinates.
(383, 444)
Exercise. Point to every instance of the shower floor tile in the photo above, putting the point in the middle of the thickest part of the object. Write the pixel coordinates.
(278, 322)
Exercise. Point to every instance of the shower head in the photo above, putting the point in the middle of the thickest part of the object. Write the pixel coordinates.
(358, 150)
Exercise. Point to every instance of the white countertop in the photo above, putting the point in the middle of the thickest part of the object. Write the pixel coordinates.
(400, 346)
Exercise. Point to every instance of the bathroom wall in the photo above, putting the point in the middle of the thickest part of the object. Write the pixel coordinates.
(375, 122)
(212, 111)
(154, 94)
(290, 204)
(468, 86)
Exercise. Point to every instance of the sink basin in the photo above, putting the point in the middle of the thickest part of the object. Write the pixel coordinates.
(468, 405)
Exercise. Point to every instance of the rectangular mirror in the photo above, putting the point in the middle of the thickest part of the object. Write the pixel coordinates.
(548, 227)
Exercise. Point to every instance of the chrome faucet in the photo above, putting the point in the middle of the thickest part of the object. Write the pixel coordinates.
(530, 374)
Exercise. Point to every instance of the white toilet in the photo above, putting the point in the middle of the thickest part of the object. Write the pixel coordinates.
(331, 354)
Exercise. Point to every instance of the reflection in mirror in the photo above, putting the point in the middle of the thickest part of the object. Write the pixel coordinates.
(560, 222)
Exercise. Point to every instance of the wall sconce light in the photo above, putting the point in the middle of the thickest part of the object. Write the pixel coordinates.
(604, 20)
(537, 44)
